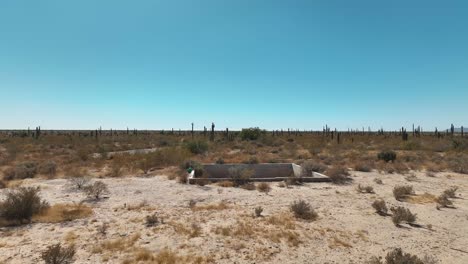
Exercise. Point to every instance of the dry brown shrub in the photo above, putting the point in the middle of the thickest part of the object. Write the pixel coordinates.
(303, 210)
(336, 242)
(451, 192)
(364, 189)
(443, 201)
(338, 175)
(380, 207)
(56, 254)
(401, 214)
(225, 184)
(402, 192)
(119, 244)
(248, 186)
(215, 207)
(363, 166)
(63, 213)
(263, 187)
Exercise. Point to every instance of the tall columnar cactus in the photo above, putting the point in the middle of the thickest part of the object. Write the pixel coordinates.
(212, 131)
(462, 131)
(192, 129)
(452, 129)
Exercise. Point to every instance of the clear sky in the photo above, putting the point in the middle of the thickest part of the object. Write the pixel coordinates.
(152, 64)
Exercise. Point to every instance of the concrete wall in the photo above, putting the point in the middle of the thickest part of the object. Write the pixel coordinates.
(262, 170)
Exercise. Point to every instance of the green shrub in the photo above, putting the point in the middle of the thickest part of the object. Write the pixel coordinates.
(21, 204)
(252, 133)
(387, 155)
(197, 147)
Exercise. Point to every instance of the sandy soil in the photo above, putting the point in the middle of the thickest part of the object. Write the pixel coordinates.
(347, 230)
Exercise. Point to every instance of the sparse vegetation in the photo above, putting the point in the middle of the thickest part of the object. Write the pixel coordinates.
(20, 205)
(57, 254)
(303, 210)
(443, 201)
(79, 182)
(264, 187)
(451, 192)
(380, 207)
(152, 220)
(401, 214)
(401, 192)
(96, 190)
(387, 155)
(338, 175)
(258, 211)
(310, 166)
(240, 176)
(364, 189)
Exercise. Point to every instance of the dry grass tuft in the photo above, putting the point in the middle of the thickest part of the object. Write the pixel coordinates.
(216, 207)
(119, 244)
(63, 213)
(225, 184)
(421, 199)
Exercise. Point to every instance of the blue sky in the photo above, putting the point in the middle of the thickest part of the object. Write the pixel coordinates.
(274, 64)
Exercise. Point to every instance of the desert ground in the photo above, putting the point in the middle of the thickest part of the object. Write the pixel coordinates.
(148, 214)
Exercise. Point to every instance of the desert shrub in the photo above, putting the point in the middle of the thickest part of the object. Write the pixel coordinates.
(192, 203)
(380, 207)
(387, 155)
(364, 189)
(362, 166)
(182, 178)
(443, 201)
(115, 170)
(227, 184)
(248, 186)
(397, 256)
(294, 180)
(303, 210)
(264, 187)
(220, 161)
(56, 254)
(96, 190)
(21, 171)
(401, 214)
(251, 160)
(197, 147)
(401, 192)
(240, 176)
(338, 175)
(9, 173)
(2, 184)
(79, 182)
(378, 181)
(258, 211)
(450, 192)
(48, 168)
(21, 204)
(252, 133)
(152, 220)
(310, 166)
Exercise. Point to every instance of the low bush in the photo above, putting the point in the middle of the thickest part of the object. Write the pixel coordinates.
(258, 211)
(401, 192)
(240, 176)
(227, 184)
(263, 187)
(362, 166)
(197, 147)
(387, 155)
(397, 256)
(21, 204)
(303, 210)
(378, 181)
(48, 168)
(364, 189)
(308, 167)
(338, 175)
(401, 214)
(443, 201)
(451, 192)
(21, 171)
(79, 182)
(248, 186)
(220, 161)
(56, 254)
(252, 133)
(152, 220)
(380, 207)
(96, 190)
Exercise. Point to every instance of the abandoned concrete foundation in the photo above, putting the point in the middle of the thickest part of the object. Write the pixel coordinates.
(258, 172)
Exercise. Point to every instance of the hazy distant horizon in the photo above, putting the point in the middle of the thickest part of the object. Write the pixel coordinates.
(301, 64)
